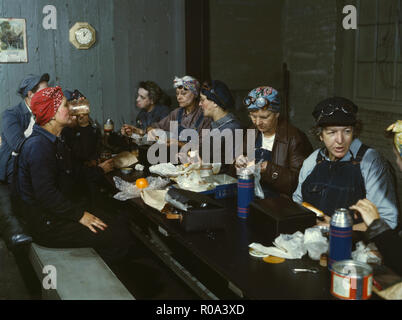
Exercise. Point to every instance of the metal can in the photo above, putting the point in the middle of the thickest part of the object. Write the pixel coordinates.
(340, 236)
(245, 194)
(351, 280)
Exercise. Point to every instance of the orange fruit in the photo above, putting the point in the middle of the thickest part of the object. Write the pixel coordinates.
(141, 183)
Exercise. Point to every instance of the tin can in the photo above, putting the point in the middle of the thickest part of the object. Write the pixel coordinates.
(340, 236)
(351, 280)
(245, 195)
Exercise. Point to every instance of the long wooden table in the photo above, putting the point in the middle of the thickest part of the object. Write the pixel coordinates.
(217, 263)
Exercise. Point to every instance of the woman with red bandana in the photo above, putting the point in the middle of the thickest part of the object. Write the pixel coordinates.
(48, 187)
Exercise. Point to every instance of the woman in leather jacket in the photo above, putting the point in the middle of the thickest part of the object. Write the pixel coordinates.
(279, 146)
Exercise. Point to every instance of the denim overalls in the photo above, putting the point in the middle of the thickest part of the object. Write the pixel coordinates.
(335, 184)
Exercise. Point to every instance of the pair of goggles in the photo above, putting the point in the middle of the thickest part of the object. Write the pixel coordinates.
(330, 109)
(259, 103)
(206, 87)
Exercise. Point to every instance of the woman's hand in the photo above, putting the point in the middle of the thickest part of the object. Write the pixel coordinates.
(325, 223)
(107, 166)
(367, 209)
(90, 221)
(241, 162)
(127, 130)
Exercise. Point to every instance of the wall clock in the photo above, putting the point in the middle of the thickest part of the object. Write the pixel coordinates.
(82, 35)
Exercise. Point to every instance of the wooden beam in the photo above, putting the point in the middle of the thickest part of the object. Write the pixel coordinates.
(197, 39)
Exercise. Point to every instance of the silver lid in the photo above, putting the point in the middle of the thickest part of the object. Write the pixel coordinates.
(352, 268)
(245, 176)
(109, 121)
(341, 218)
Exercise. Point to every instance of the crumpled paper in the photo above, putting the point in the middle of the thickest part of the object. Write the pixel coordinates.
(129, 190)
(170, 170)
(286, 246)
(315, 243)
(296, 245)
(364, 253)
(193, 182)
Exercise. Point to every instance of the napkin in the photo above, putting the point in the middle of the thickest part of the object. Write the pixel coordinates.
(154, 198)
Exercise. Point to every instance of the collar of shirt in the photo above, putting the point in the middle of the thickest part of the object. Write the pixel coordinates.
(197, 109)
(29, 109)
(354, 148)
(45, 133)
(217, 124)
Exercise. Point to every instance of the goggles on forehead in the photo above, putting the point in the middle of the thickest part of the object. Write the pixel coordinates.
(260, 102)
(330, 109)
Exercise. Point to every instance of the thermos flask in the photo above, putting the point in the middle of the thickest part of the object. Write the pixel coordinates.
(245, 194)
(340, 237)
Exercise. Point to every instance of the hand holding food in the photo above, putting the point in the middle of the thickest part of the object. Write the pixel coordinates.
(241, 161)
(367, 209)
(107, 166)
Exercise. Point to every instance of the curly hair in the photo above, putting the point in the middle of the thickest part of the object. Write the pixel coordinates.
(155, 93)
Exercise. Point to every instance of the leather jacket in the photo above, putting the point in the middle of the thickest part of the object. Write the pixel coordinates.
(291, 147)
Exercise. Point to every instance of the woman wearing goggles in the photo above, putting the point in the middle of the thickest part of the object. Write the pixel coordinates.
(279, 146)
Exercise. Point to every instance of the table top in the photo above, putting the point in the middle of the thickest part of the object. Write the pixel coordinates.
(226, 253)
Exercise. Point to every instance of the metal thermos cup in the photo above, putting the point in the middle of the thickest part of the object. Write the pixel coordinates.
(245, 194)
(340, 237)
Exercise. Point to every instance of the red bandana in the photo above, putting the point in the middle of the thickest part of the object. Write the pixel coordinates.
(45, 103)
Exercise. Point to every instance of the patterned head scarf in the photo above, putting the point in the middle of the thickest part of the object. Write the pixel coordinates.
(45, 103)
(188, 83)
(261, 97)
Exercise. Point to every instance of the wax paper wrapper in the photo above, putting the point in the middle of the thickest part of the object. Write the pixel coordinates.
(128, 190)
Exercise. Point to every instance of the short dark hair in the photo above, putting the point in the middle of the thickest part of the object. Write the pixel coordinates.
(316, 131)
(155, 93)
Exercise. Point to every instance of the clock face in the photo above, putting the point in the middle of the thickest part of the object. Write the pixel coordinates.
(83, 35)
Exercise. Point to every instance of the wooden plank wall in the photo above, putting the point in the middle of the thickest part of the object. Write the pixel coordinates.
(136, 40)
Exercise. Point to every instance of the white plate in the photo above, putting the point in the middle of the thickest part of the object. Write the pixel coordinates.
(257, 254)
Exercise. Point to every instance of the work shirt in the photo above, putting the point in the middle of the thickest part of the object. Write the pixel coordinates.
(16, 123)
(47, 180)
(376, 175)
(145, 119)
(229, 122)
(188, 121)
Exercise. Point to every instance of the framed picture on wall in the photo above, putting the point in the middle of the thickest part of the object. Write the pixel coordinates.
(13, 41)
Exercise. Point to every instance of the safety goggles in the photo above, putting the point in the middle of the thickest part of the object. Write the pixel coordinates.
(330, 109)
(260, 102)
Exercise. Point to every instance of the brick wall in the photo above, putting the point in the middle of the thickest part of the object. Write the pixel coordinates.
(309, 48)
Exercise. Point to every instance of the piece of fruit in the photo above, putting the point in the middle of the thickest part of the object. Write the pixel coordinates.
(141, 183)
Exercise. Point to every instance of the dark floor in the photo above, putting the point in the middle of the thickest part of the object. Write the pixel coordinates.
(12, 286)
(150, 279)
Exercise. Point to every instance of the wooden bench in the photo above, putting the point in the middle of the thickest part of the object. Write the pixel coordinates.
(81, 274)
